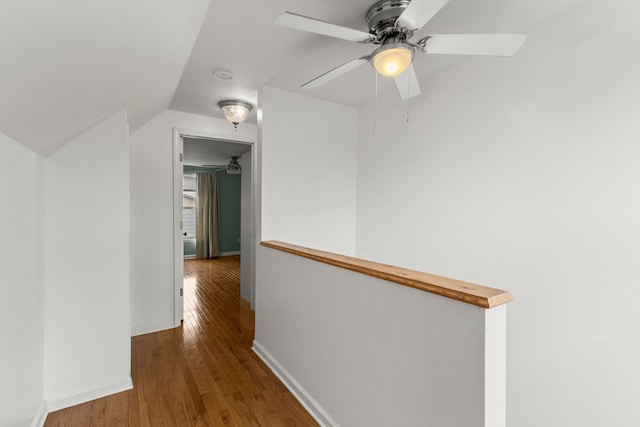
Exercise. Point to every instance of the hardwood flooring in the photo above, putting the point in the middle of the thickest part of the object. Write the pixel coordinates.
(200, 374)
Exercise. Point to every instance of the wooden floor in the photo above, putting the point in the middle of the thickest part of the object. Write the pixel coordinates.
(201, 374)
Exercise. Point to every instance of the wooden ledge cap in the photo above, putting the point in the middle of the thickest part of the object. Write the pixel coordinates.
(479, 295)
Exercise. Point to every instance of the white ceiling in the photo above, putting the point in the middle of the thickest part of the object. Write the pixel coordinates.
(68, 64)
(200, 151)
(240, 36)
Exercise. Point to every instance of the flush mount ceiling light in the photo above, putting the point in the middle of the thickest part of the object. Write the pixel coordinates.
(392, 59)
(235, 111)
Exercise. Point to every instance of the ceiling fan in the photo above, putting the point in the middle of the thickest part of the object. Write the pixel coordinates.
(391, 25)
(233, 168)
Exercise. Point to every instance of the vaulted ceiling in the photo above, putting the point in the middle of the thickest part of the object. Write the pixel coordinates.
(68, 64)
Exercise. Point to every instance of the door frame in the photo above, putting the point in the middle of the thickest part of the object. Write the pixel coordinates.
(178, 246)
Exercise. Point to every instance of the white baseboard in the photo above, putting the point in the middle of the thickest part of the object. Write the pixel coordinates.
(229, 253)
(87, 394)
(313, 408)
(221, 254)
(147, 329)
(40, 417)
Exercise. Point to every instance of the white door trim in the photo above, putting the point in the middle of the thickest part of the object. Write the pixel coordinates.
(178, 248)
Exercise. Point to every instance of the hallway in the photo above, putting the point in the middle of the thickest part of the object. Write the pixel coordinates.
(203, 373)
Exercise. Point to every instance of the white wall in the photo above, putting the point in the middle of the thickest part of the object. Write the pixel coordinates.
(360, 351)
(308, 158)
(247, 243)
(21, 284)
(151, 168)
(87, 340)
(379, 354)
(523, 174)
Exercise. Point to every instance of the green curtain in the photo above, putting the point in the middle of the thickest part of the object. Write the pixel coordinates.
(207, 225)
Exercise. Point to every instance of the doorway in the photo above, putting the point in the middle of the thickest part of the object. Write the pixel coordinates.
(207, 153)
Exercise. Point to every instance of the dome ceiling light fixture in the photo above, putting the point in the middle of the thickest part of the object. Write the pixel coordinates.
(392, 24)
(235, 111)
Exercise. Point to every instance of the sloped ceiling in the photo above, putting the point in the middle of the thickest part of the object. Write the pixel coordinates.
(68, 64)
(201, 152)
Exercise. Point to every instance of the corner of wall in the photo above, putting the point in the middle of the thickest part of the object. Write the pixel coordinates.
(86, 275)
(41, 416)
(87, 394)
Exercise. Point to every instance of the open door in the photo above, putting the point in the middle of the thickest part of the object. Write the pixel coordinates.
(248, 217)
(247, 244)
(178, 246)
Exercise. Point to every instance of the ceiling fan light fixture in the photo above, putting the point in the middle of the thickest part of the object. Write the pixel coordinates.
(235, 111)
(392, 59)
(234, 168)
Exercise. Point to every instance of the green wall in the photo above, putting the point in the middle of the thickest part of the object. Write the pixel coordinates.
(189, 247)
(228, 209)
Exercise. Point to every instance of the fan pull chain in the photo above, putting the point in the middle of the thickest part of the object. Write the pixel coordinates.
(408, 94)
(375, 117)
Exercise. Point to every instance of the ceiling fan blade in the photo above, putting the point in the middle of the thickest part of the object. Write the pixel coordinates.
(312, 25)
(407, 84)
(475, 44)
(336, 72)
(419, 12)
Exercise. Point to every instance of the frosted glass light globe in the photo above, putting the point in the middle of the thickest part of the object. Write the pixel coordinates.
(392, 60)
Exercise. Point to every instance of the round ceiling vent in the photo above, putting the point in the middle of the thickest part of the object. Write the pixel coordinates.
(223, 75)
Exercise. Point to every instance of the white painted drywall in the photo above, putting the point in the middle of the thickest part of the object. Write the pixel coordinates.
(151, 168)
(87, 341)
(247, 232)
(356, 350)
(69, 65)
(21, 283)
(523, 173)
(308, 171)
(371, 352)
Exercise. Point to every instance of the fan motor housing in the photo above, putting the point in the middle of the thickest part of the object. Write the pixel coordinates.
(382, 16)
